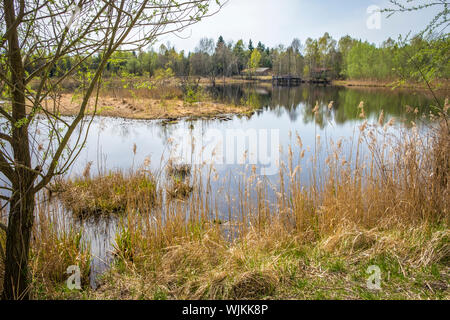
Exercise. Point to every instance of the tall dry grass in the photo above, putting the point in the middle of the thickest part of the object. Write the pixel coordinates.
(384, 203)
(113, 192)
(56, 245)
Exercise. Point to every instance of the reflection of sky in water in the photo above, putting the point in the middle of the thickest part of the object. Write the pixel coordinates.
(110, 141)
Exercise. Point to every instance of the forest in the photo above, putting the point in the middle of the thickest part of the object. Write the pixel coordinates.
(347, 58)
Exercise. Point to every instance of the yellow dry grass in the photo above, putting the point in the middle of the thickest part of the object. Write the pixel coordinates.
(143, 108)
(313, 242)
(114, 192)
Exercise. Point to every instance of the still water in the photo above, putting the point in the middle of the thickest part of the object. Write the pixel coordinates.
(285, 111)
(111, 141)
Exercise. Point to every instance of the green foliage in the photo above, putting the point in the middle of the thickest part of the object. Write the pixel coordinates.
(255, 59)
(191, 95)
(124, 245)
(412, 59)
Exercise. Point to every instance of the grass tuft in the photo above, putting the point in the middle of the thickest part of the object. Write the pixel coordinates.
(115, 192)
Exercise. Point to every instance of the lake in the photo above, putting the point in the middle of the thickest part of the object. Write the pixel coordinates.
(280, 113)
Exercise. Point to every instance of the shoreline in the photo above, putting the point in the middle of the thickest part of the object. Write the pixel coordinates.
(151, 109)
(175, 109)
(386, 85)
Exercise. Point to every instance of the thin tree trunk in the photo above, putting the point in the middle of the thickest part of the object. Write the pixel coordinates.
(20, 221)
(16, 281)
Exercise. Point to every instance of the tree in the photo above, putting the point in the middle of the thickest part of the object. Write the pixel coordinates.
(327, 50)
(255, 59)
(41, 34)
(202, 61)
(133, 65)
(250, 46)
(220, 41)
(223, 59)
(296, 45)
(344, 46)
(261, 47)
(148, 62)
(312, 55)
(424, 63)
(239, 53)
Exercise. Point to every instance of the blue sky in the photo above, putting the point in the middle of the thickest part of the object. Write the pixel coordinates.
(279, 21)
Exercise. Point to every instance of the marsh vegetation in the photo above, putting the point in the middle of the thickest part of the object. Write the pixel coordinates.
(90, 178)
(385, 203)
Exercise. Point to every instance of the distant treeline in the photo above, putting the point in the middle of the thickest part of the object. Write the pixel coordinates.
(347, 58)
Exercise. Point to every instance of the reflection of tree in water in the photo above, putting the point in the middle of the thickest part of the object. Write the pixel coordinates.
(124, 129)
(167, 131)
(301, 101)
(392, 103)
(238, 94)
(227, 94)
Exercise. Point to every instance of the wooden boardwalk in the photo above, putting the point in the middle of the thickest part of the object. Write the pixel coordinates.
(286, 80)
(289, 80)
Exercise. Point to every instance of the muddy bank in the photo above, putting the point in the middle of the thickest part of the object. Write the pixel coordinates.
(145, 108)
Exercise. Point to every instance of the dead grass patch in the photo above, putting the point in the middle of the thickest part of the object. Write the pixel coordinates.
(145, 108)
(115, 192)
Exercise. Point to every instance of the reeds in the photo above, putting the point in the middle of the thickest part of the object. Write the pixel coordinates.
(114, 192)
(384, 203)
(178, 185)
(54, 249)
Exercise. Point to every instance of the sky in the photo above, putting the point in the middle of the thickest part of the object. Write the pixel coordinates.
(275, 22)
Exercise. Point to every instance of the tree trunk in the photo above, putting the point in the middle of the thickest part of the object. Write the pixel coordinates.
(20, 220)
(16, 281)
